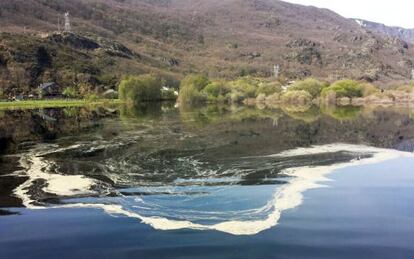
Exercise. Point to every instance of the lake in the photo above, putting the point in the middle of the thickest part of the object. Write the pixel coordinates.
(161, 181)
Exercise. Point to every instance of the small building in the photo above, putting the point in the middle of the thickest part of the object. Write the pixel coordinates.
(50, 90)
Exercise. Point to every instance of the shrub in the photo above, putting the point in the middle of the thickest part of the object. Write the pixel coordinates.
(190, 89)
(311, 85)
(245, 87)
(142, 88)
(269, 88)
(301, 97)
(344, 88)
(70, 92)
(216, 91)
(369, 89)
(196, 81)
(190, 95)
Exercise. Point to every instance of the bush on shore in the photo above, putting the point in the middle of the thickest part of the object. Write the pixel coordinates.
(198, 89)
(300, 97)
(311, 85)
(143, 88)
(217, 91)
(344, 88)
(245, 87)
(191, 89)
(269, 88)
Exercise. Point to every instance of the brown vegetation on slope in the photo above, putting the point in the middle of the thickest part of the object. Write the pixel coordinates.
(225, 38)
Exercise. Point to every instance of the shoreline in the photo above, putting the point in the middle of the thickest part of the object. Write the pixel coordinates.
(54, 103)
(384, 100)
(340, 102)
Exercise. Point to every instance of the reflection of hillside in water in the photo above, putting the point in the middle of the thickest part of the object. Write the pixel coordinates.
(282, 128)
(383, 127)
(209, 146)
(26, 126)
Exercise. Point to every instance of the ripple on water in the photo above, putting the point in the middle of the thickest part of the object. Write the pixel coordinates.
(175, 189)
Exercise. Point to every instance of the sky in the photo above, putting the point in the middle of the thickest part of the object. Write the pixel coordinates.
(392, 13)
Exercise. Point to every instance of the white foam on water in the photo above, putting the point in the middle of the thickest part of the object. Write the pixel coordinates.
(60, 185)
(330, 148)
(287, 197)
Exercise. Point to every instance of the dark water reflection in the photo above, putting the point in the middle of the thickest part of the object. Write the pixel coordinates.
(159, 139)
(232, 169)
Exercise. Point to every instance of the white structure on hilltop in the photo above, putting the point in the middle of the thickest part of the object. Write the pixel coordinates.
(412, 74)
(276, 71)
(67, 22)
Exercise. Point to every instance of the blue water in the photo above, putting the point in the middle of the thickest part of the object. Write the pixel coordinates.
(366, 212)
(208, 166)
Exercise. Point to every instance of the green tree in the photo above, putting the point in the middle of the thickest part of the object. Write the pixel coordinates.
(143, 88)
(269, 88)
(344, 88)
(300, 97)
(310, 85)
(216, 91)
(191, 89)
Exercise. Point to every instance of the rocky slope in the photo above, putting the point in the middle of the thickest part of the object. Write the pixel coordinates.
(224, 38)
(392, 31)
(90, 64)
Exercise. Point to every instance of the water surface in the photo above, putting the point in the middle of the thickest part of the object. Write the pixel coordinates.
(221, 181)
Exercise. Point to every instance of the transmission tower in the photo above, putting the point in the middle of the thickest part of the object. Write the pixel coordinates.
(67, 22)
(276, 71)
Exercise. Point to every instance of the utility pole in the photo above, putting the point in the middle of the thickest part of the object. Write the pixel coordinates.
(67, 22)
(412, 74)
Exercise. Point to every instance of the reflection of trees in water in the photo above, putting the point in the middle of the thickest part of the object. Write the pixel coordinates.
(215, 133)
(18, 126)
(382, 127)
(145, 111)
(216, 114)
(307, 114)
(392, 124)
(211, 114)
(205, 115)
(342, 113)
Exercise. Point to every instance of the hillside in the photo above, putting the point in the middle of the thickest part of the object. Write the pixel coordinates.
(226, 38)
(90, 64)
(392, 31)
